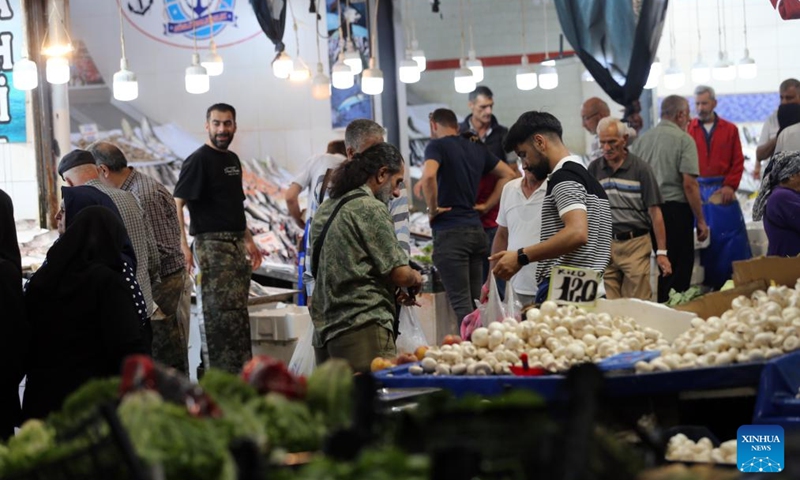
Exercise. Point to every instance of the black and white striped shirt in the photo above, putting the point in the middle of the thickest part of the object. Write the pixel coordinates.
(570, 187)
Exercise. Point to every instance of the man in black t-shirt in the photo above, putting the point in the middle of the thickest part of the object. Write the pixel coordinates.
(576, 216)
(452, 171)
(210, 185)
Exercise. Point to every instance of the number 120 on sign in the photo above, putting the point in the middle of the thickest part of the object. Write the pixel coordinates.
(574, 285)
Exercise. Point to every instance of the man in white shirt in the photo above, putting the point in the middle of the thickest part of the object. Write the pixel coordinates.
(313, 178)
(790, 93)
(519, 224)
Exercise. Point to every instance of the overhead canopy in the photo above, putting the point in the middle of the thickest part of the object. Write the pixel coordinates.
(615, 42)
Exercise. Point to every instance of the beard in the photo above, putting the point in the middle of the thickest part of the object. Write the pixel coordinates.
(384, 193)
(221, 141)
(540, 168)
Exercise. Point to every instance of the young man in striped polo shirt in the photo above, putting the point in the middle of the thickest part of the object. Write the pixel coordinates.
(576, 217)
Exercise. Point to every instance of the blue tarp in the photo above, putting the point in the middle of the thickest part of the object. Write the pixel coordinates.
(776, 403)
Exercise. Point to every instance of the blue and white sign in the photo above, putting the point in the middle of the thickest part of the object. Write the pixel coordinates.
(182, 22)
(759, 448)
(12, 101)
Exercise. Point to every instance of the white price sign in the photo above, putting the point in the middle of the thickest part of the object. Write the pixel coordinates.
(570, 285)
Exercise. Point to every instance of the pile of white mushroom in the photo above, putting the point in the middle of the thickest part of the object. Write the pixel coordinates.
(553, 337)
(760, 327)
(681, 449)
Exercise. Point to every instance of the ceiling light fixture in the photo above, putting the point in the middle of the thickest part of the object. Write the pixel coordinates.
(196, 79)
(213, 62)
(747, 66)
(463, 79)
(372, 78)
(674, 77)
(700, 71)
(526, 75)
(320, 84)
(125, 86)
(548, 75)
(723, 70)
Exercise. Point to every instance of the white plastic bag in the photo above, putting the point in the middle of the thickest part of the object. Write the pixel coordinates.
(411, 335)
(513, 307)
(303, 359)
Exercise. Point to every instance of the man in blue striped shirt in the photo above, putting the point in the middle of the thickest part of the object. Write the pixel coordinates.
(635, 200)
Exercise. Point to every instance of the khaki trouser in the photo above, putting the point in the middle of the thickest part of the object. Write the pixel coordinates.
(628, 275)
(359, 347)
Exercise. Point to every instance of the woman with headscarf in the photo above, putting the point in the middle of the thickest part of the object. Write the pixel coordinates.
(778, 203)
(83, 323)
(13, 331)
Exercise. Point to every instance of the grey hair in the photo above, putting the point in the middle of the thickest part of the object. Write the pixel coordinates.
(606, 122)
(108, 154)
(672, 106)
(701, 89)
(359, 131)
(789, 83)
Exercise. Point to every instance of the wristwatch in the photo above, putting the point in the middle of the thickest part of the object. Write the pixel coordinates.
(522, 259)
(661, 252)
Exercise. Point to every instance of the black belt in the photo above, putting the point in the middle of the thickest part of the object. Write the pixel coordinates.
(630, 235)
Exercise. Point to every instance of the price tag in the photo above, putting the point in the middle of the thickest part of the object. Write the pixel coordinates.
(88, 131)
(577, 286)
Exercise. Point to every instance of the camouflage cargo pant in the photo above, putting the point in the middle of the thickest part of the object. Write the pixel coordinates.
(224, 286)
(171, 322)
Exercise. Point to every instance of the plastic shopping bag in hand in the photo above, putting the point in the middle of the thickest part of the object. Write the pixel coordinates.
(490, 311)
(513, 307)
(304, 359)
(410, 331)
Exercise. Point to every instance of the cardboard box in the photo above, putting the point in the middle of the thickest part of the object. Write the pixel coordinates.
(781, 270)
(716, 303)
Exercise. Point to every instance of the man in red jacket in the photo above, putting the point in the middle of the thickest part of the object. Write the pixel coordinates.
(718, 147)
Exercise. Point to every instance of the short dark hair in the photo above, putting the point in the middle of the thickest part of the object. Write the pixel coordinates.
(355, 172)
(529, 124)
(789, 83)
(108, 154)
(480, 90)
(221, 107)
(444, 117)
(337, 146)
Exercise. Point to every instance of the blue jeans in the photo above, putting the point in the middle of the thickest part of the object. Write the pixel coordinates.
(458, 255)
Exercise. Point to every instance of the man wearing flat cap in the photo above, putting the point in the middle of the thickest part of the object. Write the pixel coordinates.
(78, 168)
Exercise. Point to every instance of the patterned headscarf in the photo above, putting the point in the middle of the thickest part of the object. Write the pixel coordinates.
(781, 167)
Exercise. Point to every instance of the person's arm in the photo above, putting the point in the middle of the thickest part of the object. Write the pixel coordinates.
(504, 174)
(765, 150)
(405, 276)
(252, 249)
(657, 219)
(430, 189)
(187, 252)
(500, 242)
(292, 203)
(692, 191)
(574, 235)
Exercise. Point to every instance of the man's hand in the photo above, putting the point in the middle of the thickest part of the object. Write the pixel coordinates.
(437, 211)
(507, 265)
(406, 299)
(418, 189)
(664, 265)
(480, 208)
(187, 255)
(727, 194)
(253, 253)
(702, 231)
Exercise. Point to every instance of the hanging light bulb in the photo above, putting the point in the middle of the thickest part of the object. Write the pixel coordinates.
(352, 58)
(418, 56)
(723, 70)
(700, 71)
(341, 75)
(213, 62)
(747, 66)
(57, 70)
(586, 76)
(674, 77)
(655, 74)
(282, 66)
(408, 71)
(476, 66)
(548, 77)
(196, 79)
(125, 86)
(372, 79)
(549, 63)
(26, 74)
(300, 72)
(56, 42)
(463, 80)
(321, 84)
(526, 75)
